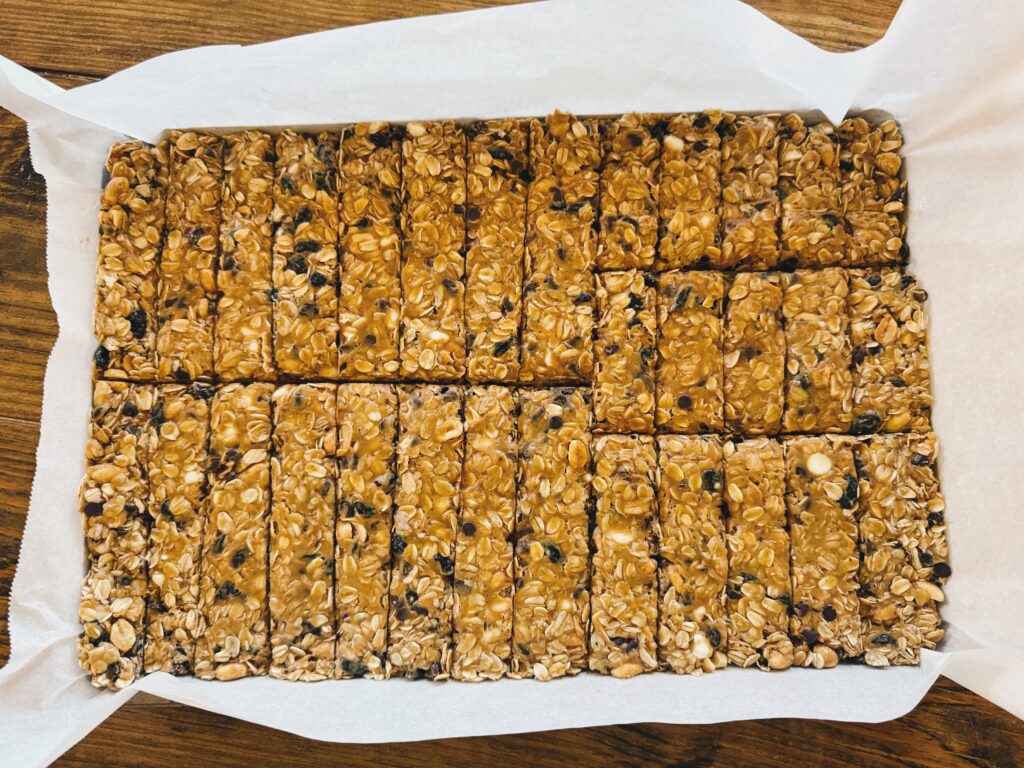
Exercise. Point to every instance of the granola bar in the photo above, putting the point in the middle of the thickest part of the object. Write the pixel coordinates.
(689, 367)
(889, 333)
(758, 590)
(873, 195)
(690, 189)
(130, 235)
(484, 550)
(115, 504)
(433, 339)
(243, 345)
(750, 206)
(692, 636)
(629, 193)
(305, 255)
(430, 451)
(551, 609)
(302, 520)
(370, 241)
(624, 351)
(187, 285)
(812, 220)
(558, 298)
(819, 385)
(904, 556)
(624, 588)
(821, 499)
(233, 585)
(496, 185)
(367, 434)
(754, 354)
(177, 482)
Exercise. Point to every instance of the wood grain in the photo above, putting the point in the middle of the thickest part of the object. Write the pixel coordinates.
(72, 42)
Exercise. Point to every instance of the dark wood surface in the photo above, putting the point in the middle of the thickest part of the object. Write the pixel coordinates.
(75, 42)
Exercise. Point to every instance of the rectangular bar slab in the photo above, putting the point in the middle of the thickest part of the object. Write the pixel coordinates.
(302, 519)
(130, 237)
(243, 345)
(819, 385)
(233, 585)
(889, 333)
(430, 453)
(750, 207)
(484, 545)
(496, 184)
(759, 589)
(177, 483)
(754, 354)
(552, 600)
(624, 351)
(812, 212)
(904, 555)
(112, 611)
(690, 191)
(367, 435)
(370, 245)
(692, 626)
(624, 582)
(690, 370)
(629, 193)
(433, 340)
(873, 194)
(305, 255)
(821, 501)
(187, 286)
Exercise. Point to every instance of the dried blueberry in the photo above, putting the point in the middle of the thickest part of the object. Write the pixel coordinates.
(828, 613)
(866, 423)
(138, 322)
(317, 279)
(711, 480)
(101, 358)
(239, 557)
(297, 264)
(93, 509)
(554, 554)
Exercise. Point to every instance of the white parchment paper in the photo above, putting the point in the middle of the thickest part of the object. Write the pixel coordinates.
(950, 72)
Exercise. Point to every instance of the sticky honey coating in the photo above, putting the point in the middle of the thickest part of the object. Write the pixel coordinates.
(552, 600)
(370, 250)
(302, 519)
(750, 206)
(484, 545)
(692, 626)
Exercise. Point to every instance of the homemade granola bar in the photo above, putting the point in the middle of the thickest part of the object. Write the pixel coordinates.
(903, 547)
(305, 255)
(821, 500)
(690, 190)
(629, 193)
(496, 184)
(812, 220)
(873, 195)
(130, 235)
(689, 368)
(430, 451)
(483, 550)
(177, 480)
(187, 285)
(754, 354)
(551, 610)
(624, 584)
(433, 340)
(367, 434)
(819, 386)
(558, 298)
(243, 345)
(750, 206)
(303, 483)
(233, 585)
(370, 244)
(624, 351)
(692, 636)
(758, 590)
(888, 330)
(115, 504)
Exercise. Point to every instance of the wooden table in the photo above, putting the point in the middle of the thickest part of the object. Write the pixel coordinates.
(76, 42)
